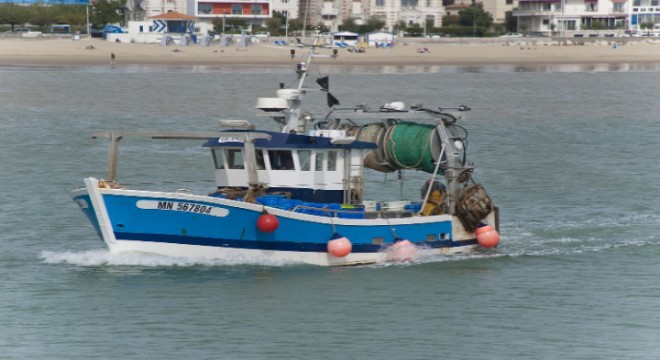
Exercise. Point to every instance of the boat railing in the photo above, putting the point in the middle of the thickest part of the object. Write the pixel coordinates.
(354, 214)
(326, 211)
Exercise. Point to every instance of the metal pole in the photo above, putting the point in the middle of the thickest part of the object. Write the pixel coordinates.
(424, 20)
(224, 17)
(474, 19)
(563, 5)
(286, 27)
(89, 27)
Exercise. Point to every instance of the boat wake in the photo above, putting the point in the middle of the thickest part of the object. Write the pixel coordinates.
(588, 235)
(101, 257)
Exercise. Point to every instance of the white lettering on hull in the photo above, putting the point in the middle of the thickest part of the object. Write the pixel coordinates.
(182, 206)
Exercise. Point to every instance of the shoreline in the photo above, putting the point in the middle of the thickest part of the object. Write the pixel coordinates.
(96, 52)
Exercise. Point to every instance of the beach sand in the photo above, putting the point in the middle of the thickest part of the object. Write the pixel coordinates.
(68, 52)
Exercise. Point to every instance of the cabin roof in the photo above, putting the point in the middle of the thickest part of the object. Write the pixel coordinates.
(283, 141)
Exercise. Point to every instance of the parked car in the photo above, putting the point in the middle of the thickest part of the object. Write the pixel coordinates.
(262, 35)
(512, 35)
(19, 30)
(96, 33)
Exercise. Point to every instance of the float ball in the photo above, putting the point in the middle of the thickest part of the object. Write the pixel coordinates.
(487, 236)
(267, 223)
(339, 246)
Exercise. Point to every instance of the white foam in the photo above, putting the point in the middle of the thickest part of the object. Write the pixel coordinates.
(107, 258)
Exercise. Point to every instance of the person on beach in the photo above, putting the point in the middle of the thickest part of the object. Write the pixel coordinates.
(112, 58)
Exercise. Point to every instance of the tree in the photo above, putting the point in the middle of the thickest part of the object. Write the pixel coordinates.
(414, 30)
(449, 20)
(510, 21)
(274, 25)
(399, 26)
(74, 15)
(475, 16)
(648, 26)
(13, 14)
(105, 12)
(236, 24)
(42, 16)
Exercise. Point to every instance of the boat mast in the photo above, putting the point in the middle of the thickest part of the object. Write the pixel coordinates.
(295, 96)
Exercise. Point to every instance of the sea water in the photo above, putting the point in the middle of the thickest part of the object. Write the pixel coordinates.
(569, 154)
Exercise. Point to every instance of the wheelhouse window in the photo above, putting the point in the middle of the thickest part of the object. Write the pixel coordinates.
(332, 161)
(218, 159)
(280, 159)
(304, 157)
(259, 154)
(318, 161)
(235, 159)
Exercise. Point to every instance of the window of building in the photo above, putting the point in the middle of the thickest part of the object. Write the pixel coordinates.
(546, 22)
(546, 6)
(204, 8)
(408, 4)
(256, 9)
(237, 9)
(637, 2)
(380, 3)
(509, 2)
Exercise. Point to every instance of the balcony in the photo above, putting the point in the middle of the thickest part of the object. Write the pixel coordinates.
(537, 12)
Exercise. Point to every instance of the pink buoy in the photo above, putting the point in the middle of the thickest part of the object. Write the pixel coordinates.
(267, 223)
(339, 246)
(487, 236)
(402, 250)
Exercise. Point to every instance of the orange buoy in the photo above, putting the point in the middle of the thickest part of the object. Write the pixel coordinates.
(487, 236)
(267, 222)
(339, 246)
(402, 250)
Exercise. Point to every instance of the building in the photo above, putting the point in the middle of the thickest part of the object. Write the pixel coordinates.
(566, 17)
(499, 8)
(643, 12)
(255, 12)
(411, 12)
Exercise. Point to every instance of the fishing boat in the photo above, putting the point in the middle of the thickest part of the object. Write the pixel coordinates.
(297, 194)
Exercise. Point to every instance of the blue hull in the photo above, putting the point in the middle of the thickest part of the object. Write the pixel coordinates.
(204, 222)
